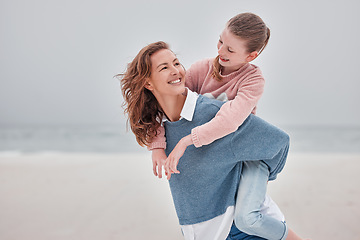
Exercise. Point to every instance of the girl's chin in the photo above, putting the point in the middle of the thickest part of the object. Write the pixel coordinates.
(222, 63)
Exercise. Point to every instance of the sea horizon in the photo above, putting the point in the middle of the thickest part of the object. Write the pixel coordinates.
(114, 138)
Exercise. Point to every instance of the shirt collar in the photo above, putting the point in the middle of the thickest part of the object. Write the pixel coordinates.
(188, 109)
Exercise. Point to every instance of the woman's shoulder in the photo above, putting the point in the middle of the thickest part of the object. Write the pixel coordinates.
(205, 103)
(206, 109)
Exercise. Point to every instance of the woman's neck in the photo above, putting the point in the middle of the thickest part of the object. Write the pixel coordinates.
(172, 105)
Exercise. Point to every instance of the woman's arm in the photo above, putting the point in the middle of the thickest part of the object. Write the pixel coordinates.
(159, 141)
(158, 155)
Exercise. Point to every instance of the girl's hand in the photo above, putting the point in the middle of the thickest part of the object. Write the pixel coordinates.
(158, 159)
(173, 158)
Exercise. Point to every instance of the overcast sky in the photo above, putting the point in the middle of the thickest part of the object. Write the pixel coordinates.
(58, 58)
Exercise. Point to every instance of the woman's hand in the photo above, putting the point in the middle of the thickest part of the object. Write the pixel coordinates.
(172, 161)
(158, 159)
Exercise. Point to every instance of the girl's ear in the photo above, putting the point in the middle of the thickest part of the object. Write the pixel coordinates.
(148, 85)
(252, 56)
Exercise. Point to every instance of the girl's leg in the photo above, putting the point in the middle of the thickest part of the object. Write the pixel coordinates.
(236, 234)
(250, 196)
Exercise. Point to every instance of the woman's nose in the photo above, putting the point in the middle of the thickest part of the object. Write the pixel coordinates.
(174, 71)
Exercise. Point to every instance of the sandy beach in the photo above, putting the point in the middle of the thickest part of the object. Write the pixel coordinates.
(115, 196)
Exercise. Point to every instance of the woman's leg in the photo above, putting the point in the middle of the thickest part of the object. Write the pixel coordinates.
(250, 196)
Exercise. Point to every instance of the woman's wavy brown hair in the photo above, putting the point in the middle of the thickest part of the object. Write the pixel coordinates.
(141, 106)
(252, 29)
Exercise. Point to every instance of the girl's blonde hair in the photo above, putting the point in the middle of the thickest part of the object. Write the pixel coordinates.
(250, 28)
(141, 106)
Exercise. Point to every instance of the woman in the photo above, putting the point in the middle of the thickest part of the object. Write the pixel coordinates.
(204, 191)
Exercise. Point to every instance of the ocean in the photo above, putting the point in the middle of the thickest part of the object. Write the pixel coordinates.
(116, 139)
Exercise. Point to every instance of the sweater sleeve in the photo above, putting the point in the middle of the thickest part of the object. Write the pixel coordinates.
(159, 141)
(196, 74)
(232, 114)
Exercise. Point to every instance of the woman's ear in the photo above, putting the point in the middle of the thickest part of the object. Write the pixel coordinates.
(148, 85)
(252, 56)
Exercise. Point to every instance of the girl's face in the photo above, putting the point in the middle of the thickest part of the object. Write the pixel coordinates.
(167, 74)
(232, 51)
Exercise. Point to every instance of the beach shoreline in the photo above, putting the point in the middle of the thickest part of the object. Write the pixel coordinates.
(115, 196)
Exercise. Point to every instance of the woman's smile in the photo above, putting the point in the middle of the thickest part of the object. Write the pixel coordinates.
(176, 81)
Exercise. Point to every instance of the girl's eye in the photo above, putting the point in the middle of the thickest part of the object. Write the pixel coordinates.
(163, 68)
(220, 41)
(230, 51)
(177, 64)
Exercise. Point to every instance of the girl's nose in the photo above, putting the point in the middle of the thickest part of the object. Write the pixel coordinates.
(220, 50)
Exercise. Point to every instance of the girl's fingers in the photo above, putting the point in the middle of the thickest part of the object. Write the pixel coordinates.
(170, 167)
(174, 166)
(167, 166)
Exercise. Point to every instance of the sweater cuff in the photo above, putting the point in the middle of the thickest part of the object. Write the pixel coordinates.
(194, 137)
(157, 145)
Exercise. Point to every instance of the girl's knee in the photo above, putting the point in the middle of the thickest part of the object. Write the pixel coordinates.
(246, 221)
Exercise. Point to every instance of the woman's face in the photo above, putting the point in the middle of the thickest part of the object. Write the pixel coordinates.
(232, 51)
(167, 74)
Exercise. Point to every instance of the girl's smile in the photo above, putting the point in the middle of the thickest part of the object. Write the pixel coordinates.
(223, 59)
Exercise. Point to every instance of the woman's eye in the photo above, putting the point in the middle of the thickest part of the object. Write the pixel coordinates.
(220, 41)
(163, 68)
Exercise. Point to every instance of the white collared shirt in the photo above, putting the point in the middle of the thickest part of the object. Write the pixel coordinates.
(218, 227)
(187, 112)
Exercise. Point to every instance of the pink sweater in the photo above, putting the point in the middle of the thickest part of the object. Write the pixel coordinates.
(243, 88)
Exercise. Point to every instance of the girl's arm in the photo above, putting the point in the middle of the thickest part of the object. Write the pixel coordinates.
(230, 116)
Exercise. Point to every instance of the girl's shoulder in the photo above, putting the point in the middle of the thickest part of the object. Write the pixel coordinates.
(249, 72)
(202, 65)
(198, 73)
(253, 68)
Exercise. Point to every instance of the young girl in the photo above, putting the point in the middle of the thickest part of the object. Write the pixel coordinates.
(230, 76)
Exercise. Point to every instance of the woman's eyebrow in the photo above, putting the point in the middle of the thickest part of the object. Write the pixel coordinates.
(176, 59)
(161, 65)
